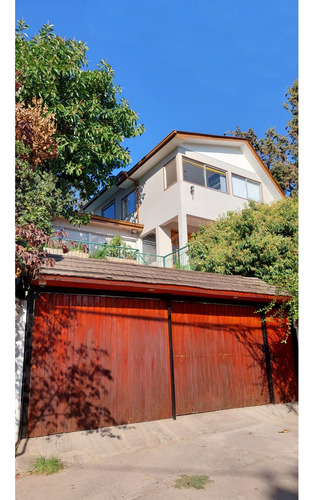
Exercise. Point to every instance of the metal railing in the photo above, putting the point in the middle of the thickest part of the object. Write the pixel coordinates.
(92, 250)
(178, 259)
(148, 259)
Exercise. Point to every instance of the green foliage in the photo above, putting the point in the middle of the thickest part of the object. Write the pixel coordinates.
(196, 482)
(115, 249)
(43, 465)
(30, 243)
(37, 197)
(279, 152)
(260, 241)
(91, 117)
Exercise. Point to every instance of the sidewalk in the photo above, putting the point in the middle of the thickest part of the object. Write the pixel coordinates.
(247, 453)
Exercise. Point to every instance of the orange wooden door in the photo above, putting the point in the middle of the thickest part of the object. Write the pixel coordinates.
(282, 359)
(219, 359)
(97, 361)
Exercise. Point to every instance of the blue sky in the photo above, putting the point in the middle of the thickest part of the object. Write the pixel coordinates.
(200, 66)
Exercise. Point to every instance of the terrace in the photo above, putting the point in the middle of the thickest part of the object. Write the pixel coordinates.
(178, 259)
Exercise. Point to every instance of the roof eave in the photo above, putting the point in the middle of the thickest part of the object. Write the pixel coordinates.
(153, 288)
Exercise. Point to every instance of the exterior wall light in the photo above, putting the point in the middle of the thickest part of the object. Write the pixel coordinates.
(192, 191)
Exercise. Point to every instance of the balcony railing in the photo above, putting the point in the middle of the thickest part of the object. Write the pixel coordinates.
(178, 259)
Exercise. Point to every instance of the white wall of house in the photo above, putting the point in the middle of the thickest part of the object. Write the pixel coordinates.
(158, 205)
(229, 154)
(20, 324)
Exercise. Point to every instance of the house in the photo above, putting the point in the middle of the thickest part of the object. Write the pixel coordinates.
(186, 181)
(110, 343)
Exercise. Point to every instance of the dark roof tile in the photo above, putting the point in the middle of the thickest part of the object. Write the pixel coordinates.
(103, 269)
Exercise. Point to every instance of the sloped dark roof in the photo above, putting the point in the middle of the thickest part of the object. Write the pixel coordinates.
(105, 270)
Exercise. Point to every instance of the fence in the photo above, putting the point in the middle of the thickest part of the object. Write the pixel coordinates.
(178, 259)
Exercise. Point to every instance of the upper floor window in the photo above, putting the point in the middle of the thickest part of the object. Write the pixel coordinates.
(109, 211)
(216, 179)
(128, 204)
(204, 175)
(170, 171)
(246, 188)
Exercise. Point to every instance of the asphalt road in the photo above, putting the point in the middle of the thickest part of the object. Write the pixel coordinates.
(247, 453)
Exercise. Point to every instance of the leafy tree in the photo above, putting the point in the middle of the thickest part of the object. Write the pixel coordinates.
(260, 241)
(35, 127)
(90, 117)
(279, 152)
(29, 255)
(37, 197)
(69, 126)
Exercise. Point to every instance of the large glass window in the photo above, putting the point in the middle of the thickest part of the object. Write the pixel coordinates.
(109, 211)
(193, 172)
(170, 173)
(204, 175)
(216, 179)
(246, 188)
(128, 204)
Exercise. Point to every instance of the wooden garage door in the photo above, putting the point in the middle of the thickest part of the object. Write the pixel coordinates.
(97, 361)
(282, 359)
(219, 358)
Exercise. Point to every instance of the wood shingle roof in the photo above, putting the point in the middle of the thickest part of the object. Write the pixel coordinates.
(107, 271)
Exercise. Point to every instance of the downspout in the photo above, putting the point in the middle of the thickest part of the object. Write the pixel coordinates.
(137, 197)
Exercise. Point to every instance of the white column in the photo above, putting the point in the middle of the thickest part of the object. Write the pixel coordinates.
(139, 244)
(183, 230)
(163, 241)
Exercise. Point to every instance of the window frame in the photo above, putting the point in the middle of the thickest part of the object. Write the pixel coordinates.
(107, 206)
(205, 166)
(123, 217)
(253, 181)
(165, 174)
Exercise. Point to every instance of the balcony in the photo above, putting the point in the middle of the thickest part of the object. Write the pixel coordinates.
(85, 250)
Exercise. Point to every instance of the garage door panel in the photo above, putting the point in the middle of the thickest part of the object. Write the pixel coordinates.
(282, 359)
(224, 361)
(100, 361)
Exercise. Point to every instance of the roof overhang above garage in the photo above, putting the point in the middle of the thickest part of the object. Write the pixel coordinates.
(97, 274)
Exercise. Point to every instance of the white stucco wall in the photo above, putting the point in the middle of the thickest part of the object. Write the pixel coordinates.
(20, 324)
(158, 205)
(229, 154)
